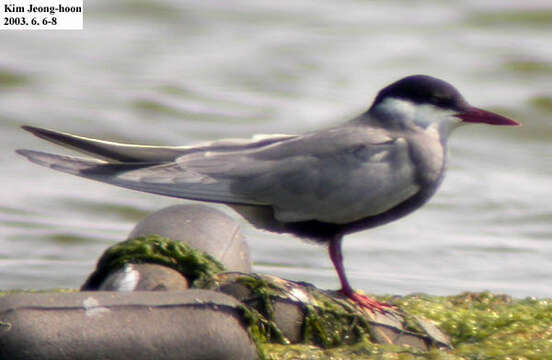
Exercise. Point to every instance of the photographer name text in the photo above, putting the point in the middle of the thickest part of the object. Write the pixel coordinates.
(41, 15)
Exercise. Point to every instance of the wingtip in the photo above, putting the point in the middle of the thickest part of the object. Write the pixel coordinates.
(32, 156)
(28, 128)
(46, 134)
(23, 152)
(34, 130)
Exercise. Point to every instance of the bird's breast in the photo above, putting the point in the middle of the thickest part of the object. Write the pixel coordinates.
(429, 157)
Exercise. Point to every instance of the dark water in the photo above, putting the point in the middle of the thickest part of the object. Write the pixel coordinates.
(178, 72)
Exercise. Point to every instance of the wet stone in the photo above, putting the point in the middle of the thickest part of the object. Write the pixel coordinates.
(288, 316)
(300, 313)
(438, 338)
(144, 277)
(201, 227)
(118, 261)
(185, 325)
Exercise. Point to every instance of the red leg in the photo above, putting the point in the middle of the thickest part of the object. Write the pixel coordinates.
(346, 289)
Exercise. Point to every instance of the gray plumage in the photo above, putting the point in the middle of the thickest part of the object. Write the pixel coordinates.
(337, 175)
(321, 185)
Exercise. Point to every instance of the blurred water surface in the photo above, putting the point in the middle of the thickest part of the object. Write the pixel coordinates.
(176, 72)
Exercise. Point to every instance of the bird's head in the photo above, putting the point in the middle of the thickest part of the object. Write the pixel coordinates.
(425, 102)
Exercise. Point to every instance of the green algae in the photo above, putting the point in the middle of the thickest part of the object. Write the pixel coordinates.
(256, 328)
(363, 350)
(488, 326)
(481, 326)
(155, 249)
(262, 292)
(330, 323)
(327, 322)
(330, 326)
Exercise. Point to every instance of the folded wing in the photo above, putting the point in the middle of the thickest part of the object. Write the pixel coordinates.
(335, 175)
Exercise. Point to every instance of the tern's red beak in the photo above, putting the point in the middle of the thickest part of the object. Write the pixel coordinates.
(476, 115)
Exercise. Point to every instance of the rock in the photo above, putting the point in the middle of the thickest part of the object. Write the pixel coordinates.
(201, 227)
(144, 277)
(299, 313)
(117, 263)
(184, 325)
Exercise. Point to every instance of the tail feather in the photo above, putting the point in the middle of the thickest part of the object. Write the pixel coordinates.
(69, 164)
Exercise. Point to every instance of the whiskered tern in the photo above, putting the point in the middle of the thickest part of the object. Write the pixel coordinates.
(322, 185)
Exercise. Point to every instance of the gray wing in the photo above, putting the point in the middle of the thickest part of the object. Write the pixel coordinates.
(337, 175)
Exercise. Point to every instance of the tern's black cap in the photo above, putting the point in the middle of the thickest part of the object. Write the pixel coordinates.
(424, 89)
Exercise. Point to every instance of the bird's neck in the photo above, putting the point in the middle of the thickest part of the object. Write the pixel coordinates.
(403, 115)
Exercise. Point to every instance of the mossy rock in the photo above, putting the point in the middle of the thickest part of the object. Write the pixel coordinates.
(191, 263)
(480, 326)
(488, 326)
(286, 316)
